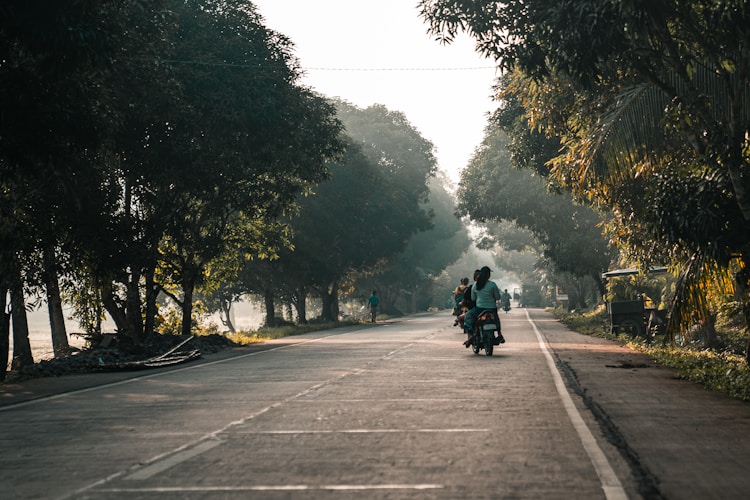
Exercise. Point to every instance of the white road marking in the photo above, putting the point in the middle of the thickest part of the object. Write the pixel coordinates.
(286, 487)
(173, 460)
(611, 485)
(164, 462)
(366, 431)
(160, 374)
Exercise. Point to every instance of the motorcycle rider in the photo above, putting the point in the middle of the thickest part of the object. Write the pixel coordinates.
(486, 294)
(506, 300)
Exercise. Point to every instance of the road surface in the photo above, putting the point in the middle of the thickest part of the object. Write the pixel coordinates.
(398, 409)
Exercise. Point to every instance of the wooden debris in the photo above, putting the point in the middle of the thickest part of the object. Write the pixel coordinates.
(171, 357)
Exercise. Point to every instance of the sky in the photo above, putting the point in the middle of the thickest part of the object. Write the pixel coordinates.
(378, 52)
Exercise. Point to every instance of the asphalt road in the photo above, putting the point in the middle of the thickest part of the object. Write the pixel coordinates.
(393, 410)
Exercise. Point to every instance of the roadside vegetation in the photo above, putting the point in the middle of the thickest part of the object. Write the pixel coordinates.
(617, 117)
(721, 369)
(160, 156)
(264, 333)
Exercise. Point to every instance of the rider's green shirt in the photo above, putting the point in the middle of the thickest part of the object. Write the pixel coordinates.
(487, 297)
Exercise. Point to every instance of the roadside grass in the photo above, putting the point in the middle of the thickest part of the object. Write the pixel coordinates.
(262, 334)
(721, 371)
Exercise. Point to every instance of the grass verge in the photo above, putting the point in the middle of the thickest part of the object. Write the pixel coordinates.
(276, 332)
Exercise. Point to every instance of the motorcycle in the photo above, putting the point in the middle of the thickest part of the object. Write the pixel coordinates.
(483, 336)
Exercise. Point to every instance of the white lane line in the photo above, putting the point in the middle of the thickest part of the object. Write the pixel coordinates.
(610, 483)
(163, 461)
(173, 460)
(53, 397)
(286, 487)
(337, 332)
(366, 431)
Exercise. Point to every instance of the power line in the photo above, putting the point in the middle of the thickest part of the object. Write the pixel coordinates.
(469, 68)
(303, 68)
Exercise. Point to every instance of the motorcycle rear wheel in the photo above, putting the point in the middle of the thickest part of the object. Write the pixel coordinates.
(475, 345)
(488, 343)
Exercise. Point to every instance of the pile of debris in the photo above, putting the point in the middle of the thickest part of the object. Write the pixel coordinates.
(113, 352)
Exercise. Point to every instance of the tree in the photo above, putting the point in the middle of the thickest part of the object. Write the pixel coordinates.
(256, 143)
(55, 107)
(687, 62)
(333, 233)
(405, 162)
(410, 282)
(364, 215)
(492, 189)
(138, 136)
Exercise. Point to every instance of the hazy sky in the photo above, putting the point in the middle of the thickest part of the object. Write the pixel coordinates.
(377, 52)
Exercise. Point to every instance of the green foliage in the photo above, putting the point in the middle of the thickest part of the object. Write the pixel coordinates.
(152, 139)
(719, 372)
(170, 321)
(418, 267)
(594, 322)
(493, 189)
(365, 214)
(651, 102)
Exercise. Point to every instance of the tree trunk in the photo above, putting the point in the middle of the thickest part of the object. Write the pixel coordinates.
(288, 313)
(300, 303)
(4, 331)
(708, 328)
(60, 344)
(325, 302)
(133, 312)
(21, 347)
(151, 309)
(335, 301)
(110, 302)
(330, 300)
(188, 286)
(270, 308)
(226, 314)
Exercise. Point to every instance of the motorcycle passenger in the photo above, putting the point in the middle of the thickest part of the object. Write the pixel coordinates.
(467, 303)
(458, 298)
(486, 294)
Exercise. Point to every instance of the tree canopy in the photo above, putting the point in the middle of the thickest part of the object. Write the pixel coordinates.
(142, 141)
(492, 188)
(650, 102)
(364, 216)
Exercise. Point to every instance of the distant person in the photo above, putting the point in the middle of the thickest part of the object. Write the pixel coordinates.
(505, 300)
(374, 300)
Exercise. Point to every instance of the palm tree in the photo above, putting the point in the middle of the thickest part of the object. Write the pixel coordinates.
(672, 173)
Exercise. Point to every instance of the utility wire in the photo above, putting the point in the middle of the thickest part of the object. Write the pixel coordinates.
(304, 68)
(471, 68)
